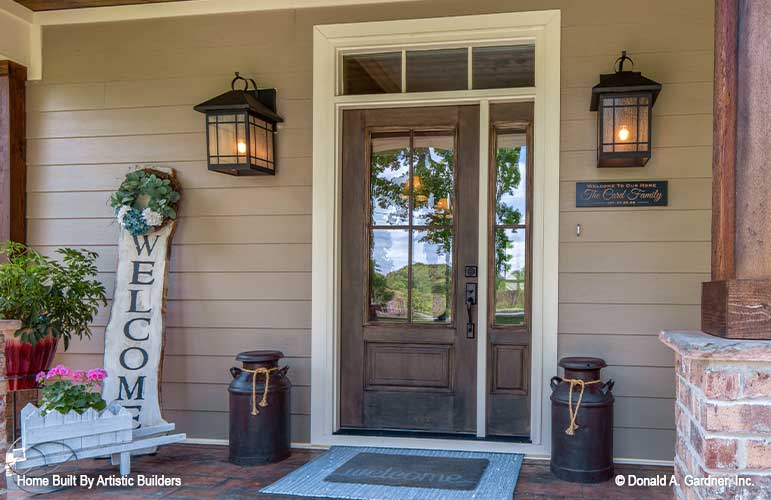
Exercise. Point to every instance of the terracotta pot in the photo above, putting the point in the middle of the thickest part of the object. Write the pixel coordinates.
(23, 360)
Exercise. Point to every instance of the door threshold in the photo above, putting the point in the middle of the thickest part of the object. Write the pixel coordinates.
(430, 435)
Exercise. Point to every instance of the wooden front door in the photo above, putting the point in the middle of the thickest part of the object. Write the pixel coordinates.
(409, 250)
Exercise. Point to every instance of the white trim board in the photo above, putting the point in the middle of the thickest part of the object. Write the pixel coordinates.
(330, 41)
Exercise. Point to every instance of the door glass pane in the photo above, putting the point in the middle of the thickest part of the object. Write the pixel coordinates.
(433, 70)
(432, 275)
(389, 275)
(510, 276)
(372, 73)
(503, 67)
(433, 173)
(389, 179)
(511, 194)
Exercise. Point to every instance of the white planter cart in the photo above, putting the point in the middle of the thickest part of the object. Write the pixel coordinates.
(56, 438)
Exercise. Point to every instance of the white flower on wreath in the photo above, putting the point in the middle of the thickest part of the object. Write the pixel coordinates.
(121, 213)
(152, 218)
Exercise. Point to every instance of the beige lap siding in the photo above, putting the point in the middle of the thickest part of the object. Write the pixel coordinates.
(119, 94)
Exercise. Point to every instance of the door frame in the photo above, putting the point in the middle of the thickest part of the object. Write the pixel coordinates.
(330, 41)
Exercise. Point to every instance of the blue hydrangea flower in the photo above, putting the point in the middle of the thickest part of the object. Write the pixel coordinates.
(135, 223)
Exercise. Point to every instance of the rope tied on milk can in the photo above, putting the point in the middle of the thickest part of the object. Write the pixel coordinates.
(264, 401)
(571, 430)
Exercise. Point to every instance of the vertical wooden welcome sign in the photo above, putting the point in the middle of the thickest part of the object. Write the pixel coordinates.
(133, 350)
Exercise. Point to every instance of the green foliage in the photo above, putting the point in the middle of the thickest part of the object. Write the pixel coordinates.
(507, 180)
(57, 297)
(65, 394)
(142, 189)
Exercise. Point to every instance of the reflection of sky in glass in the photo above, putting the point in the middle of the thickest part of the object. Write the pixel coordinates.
(516, 198)
(389, 250)
(426, 252)
(515, 251)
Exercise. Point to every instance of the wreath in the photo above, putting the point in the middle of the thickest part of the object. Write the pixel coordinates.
(146, 200)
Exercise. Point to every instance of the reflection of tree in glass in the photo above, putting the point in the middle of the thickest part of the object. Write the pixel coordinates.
(509, 304)
(433, 194)
(387, 184)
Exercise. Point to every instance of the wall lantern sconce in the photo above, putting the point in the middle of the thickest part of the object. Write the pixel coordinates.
(623, 101)
(241, 130)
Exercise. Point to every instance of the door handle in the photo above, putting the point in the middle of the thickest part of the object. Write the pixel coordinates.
(471, 301)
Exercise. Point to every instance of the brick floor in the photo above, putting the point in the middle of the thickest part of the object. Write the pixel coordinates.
(205, 473)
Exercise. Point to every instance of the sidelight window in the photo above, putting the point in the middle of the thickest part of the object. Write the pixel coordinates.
(411, 229)
(511, 249)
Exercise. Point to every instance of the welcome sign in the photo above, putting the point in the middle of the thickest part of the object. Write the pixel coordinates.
(133, 345)
(622, 194)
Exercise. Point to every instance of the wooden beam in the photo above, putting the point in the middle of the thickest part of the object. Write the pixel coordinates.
(737, 302)
(724, 139)
(13, 178)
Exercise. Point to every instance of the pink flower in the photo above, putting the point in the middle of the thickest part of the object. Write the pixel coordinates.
(79, 376)
(40, 376)
(96, 375)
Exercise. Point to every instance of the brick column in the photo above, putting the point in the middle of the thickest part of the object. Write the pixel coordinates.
(722, 414)
(5, 327)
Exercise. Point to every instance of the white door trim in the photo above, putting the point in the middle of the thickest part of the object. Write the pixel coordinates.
(330, 41)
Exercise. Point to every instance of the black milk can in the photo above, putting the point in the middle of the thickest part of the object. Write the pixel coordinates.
(259, 409)
(582, 422)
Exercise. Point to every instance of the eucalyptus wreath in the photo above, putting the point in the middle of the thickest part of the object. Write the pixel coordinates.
(145, 200)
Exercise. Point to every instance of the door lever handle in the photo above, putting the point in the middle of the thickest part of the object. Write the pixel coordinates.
(471, 301)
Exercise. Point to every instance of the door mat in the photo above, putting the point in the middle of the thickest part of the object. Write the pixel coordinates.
(358, 473)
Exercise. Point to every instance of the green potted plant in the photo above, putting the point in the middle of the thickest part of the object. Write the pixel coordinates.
(53, 299)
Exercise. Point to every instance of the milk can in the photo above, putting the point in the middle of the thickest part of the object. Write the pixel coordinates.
(582, 422)
(259, 409)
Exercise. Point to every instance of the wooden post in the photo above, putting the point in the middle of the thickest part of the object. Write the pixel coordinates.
(737, 302)
(13, 176)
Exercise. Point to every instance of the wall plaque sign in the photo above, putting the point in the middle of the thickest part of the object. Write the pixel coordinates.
(622, 194)
(133, 345)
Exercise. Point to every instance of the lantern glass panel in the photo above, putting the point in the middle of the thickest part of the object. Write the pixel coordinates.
(226, 142)
(271, 138)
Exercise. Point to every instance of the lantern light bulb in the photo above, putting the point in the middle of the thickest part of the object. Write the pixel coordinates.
(623, 133)
(241, 147)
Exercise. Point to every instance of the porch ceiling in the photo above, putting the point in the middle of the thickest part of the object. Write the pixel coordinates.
(40, 5)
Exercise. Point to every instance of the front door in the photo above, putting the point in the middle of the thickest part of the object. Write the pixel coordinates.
(410, 264)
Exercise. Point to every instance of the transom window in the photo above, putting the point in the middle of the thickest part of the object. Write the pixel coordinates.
(411, 229)
(432, 70)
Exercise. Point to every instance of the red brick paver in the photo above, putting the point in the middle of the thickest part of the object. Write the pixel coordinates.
(205, 473)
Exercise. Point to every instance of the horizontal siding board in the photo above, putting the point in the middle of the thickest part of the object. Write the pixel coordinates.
(200, 230)
(640, 257)
(627, 319)
(644, 413)
(192, 175)
(665, 163)
(668, 131)
(214, 425)
(196, 369)
(683, 194)
(239, 314)
(651, 444)
(692, 98)
(642, 381)
(294, 343)
(214, 397)
(664, 67)
(195, 203)
(627, 350)
(636, 225)
(621, 288)
(216, 258)
(590, 40)
(239, 286)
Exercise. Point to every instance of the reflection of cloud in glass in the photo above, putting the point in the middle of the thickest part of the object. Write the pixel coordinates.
(390, 250)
